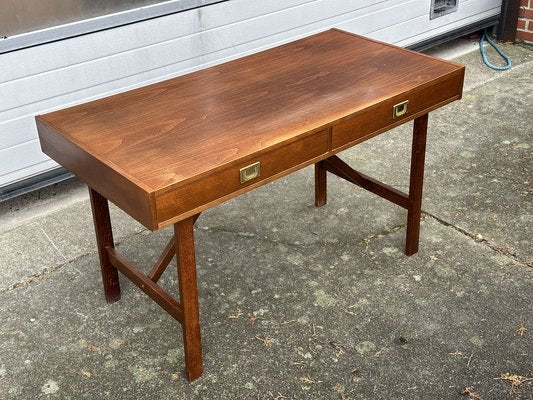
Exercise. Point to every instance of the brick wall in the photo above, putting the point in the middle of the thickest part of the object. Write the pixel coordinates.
(524, 30)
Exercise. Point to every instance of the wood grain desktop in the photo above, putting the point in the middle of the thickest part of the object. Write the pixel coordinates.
(165, 152)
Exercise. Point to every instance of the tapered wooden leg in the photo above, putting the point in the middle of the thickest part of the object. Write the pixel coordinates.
(321, 192)
(188, 290)
(415, 184)
(104, 238)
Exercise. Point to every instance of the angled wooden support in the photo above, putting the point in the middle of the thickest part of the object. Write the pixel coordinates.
(412, 201)
(181, 245)
(338, 167)
(163, 261)
(166, 257)
(143, 282)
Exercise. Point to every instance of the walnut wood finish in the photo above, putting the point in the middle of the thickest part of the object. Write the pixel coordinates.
(412, 201)
(226, 183)
(104, 239)
(321, 193)
(379, 118)
(145, 148)
(418, 154)
(338, 167)
(187, 311)
(143, 282)
(165, 152)
(166, 257)
(162, 263)
(184, 234)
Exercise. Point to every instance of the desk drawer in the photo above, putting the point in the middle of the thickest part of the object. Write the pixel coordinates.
(365, 123)
(238, 178)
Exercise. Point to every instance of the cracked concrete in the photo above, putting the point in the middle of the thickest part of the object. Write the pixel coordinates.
(298, 302)
(479, 238)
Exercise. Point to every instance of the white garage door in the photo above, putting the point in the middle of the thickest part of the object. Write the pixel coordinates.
(54, 75)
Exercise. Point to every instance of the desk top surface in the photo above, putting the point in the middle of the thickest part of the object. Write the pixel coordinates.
(166, 133)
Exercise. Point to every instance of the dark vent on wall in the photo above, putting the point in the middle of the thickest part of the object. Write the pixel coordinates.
(442, 7)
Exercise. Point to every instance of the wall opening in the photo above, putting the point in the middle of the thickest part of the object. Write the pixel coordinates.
(442, 7)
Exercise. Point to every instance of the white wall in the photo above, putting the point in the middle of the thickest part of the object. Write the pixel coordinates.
(55, 75)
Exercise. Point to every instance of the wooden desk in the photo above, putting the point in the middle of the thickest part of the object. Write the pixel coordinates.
(165, 152)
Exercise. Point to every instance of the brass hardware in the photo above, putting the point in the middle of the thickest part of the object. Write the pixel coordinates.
(250, 172)
(400, 109)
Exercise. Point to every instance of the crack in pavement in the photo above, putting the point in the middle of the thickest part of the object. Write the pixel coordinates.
(266, 239)
(49, 270)
(493, 246)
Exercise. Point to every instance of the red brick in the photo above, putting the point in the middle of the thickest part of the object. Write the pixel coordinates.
(526, 36)
(524, 3)
(525, 13)
(521, 24)
(530, 26)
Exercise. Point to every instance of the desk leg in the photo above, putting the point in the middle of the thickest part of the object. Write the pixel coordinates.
(415, 184)
(104, 238)
(184, 234)
(321, 191)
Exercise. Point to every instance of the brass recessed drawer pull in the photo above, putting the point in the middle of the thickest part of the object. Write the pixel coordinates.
(400, 109)
(250, 172)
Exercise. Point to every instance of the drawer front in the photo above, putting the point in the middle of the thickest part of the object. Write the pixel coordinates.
(395, 110)
(232, 181)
